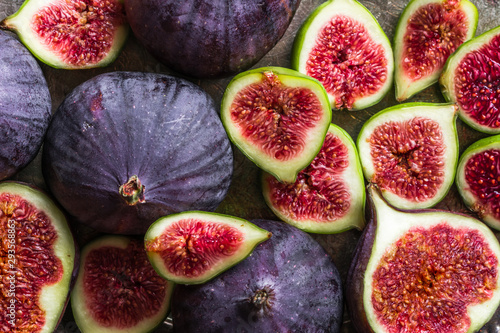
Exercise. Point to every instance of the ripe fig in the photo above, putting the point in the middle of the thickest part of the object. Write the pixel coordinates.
(428, 32)
(25, 106)
(422, 271)
(193, 247)
(342, 45)
(209, 38)
(470, 79)
(125, 148)
(288, 284)
(277, 117)
(329, 195)
(71, 34)
(478, 179)
(117, 289)
(38, 260)
(411, 152)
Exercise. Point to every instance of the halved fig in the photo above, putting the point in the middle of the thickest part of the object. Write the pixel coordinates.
(343, 46)
(71, 34)
(193, 247)
(277, 117)
(328, 195)
(411, 152)
(422, 271)
(478, 179)
(427, 33)
(117, 289)
(38, 260)
(470, 79)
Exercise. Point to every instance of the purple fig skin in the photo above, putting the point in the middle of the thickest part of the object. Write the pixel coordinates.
(308, 295)
(162, 129)
(209, 38)
(25, 106)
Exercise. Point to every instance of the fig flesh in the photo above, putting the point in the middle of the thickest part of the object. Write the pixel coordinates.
(288, 284)
(38, 257)
(422, 271)
(193, 247)
(72, 34)
(428, 32)
(117, 289)
(478, 179)
(342, 45)
(277, 117)
(470, 79)
(328, 196)
(411, 152)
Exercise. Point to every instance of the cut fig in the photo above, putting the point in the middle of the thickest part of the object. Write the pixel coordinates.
(38, 260)
(342, 45)
(428, 32)
(117, 289)
(478, 179)
(71, 34)
(329, 195)
(277, 117)
(470, 79)
(193, 247)
(288, 284)
(411, 152)
(422, 271)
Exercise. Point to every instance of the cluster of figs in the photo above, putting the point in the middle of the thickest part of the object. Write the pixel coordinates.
(145, 159)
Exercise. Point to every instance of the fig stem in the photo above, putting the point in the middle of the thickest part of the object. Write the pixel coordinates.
(132, 191)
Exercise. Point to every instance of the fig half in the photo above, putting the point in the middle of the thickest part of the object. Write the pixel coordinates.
(478, 179)
(277, 117)
(193, 247)
(470, 79)
(427, 33)
(73, 34)
(422, 271)
(342, 45)
(328, 196)
(411, 152)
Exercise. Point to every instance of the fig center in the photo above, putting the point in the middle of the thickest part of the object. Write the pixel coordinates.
(263, 298)
(132, 191)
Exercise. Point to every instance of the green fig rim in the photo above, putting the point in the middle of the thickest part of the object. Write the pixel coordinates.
(404, 89)
(284, 171)
(359, 12)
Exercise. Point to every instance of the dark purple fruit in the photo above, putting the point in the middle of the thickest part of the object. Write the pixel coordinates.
(38, 260)
(126, 148)
(288, 284)
(117, 289)
(209, 38)
(422, 271)
(25, 106)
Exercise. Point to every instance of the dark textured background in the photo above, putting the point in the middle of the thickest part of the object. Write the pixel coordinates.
(244, 198)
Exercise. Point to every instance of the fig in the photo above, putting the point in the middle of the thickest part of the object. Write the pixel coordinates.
(328, 196)
(71, 34)
(422, 271)
(288, 284)
(411, 152)
(25, 106)
(478, 179)
(428, 32)
(117, 289)
(470, 79)
(342, 45)
(125, 148)
(38, 260)
(209, 38)
(277, 117)
(193, 247)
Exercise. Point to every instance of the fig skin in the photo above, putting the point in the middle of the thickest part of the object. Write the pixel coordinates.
(209, 38)
(25, 106)
(308, 295)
